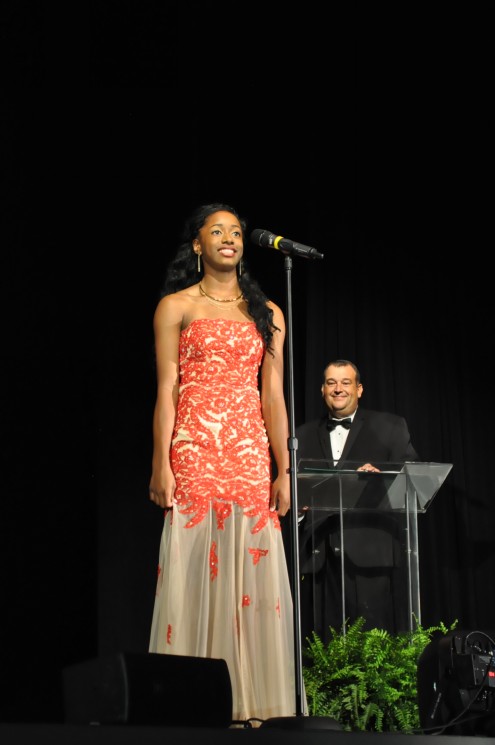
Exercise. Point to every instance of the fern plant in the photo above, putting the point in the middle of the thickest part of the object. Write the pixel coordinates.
(367, 679)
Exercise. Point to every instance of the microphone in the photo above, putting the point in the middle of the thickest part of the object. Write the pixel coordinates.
(270, 240)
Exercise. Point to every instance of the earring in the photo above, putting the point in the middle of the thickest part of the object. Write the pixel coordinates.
(199, 262)
(240, 267)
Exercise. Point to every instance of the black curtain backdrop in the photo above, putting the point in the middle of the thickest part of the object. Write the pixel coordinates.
(361, 132)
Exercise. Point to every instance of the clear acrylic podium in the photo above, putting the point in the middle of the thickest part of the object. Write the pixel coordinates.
(392, 497)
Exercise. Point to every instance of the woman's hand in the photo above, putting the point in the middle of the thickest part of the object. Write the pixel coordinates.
(162, 488)
(280, 495)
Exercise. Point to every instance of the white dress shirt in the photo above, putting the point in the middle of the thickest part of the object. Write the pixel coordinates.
(338, 436)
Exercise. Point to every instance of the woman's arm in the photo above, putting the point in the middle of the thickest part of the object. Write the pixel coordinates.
(167, 324)
(274, 412)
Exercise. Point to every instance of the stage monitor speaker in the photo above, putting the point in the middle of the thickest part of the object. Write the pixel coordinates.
(156, 689)
(456, 684)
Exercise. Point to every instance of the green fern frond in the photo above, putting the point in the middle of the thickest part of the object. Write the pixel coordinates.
(366, 679)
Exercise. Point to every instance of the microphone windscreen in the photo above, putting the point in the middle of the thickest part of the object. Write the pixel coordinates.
(260, 237)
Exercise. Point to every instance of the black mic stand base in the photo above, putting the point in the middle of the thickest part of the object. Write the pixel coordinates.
(305, 723)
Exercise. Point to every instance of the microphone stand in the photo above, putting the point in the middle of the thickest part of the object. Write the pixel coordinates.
(293, 502)
(300, 721)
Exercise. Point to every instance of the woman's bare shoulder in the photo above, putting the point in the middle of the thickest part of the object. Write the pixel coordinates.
(181, 298)
(176, 306)
(278, 315)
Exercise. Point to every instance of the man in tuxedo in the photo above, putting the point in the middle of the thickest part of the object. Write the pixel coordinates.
(373, 551)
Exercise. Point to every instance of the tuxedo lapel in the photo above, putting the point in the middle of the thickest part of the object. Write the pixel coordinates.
(354, 431)
(324, 439)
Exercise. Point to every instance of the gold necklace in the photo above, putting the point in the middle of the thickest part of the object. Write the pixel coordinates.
(219, 299)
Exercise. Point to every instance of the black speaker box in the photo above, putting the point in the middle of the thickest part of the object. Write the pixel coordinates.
(156, 689)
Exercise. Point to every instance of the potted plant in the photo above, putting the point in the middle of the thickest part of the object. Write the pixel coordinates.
(367, 679)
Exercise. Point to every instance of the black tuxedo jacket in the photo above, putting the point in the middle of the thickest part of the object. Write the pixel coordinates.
(374, 437)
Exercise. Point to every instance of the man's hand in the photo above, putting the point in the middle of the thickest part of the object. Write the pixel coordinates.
(368, 467)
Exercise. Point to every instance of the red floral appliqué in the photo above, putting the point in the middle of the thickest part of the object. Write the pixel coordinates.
(222, 463)
(169, 634)
(222, 511)
(246, 600)
(213, 561)
(257, 553)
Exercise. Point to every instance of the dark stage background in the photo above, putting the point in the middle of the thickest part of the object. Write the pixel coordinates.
(361, 132)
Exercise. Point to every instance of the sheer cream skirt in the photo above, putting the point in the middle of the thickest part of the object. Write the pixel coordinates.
(223, 592)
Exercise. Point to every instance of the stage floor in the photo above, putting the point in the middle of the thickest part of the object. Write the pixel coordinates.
(65, 734)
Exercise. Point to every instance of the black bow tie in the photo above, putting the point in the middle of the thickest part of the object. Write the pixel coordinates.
(332, 423)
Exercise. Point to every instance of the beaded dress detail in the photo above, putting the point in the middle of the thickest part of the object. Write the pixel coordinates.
(223, 588)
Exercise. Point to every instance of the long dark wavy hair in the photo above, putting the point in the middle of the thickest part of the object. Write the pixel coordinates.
(182, 271)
